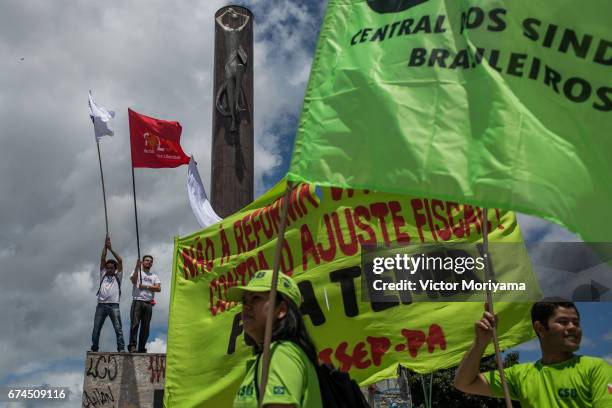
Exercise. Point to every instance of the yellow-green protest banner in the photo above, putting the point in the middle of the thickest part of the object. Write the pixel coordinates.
(325, 234)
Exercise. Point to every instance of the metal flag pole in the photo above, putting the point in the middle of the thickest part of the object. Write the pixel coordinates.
(103, 189)
(427, 401)
(136, 219)
(271, 300)
(489, 296)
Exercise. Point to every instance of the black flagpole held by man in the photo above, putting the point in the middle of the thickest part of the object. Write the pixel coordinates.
(100, 116)
(103, 189)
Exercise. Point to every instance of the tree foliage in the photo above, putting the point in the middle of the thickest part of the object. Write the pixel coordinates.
(444, 394)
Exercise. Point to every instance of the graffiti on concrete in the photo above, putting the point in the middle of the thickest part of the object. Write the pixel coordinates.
(157, 368)
(102, 367)
(98, 397)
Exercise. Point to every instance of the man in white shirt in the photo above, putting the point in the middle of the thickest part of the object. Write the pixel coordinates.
(146, 283)
(109, 291)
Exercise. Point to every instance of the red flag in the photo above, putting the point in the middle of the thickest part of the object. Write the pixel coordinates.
(155, 142)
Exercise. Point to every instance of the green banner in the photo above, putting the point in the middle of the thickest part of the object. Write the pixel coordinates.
(495, 103)
(206, 352)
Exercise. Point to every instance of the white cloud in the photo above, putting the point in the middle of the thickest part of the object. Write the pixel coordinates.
(157, 346)
(71, 380)
(608, 358)
(29, 368)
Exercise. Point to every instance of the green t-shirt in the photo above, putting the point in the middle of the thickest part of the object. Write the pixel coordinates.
(581, 382)
(292, 380)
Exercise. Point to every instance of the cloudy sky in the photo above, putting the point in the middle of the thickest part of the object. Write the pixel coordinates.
(156, 59)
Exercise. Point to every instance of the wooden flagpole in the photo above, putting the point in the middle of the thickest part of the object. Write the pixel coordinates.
(103, 189)
(272, 299)
(489, 303)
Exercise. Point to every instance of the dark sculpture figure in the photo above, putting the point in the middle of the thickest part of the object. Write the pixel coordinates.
(230, 98)
(392, 6)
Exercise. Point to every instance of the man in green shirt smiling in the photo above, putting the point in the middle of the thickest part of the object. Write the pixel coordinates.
(559, 379)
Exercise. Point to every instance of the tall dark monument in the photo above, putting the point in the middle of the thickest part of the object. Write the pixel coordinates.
(232, 139)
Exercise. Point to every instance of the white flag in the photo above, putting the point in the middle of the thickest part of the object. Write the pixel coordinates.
(100, 116)
(201, 207)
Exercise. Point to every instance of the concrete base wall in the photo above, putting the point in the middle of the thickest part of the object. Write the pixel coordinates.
(124, 380)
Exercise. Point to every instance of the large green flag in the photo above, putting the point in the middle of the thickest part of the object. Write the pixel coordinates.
(495, 103)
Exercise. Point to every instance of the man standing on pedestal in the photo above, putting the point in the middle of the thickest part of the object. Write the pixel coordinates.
(145, 284)
(109, 291)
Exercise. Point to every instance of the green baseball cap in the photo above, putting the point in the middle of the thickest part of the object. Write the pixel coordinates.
(262, 282)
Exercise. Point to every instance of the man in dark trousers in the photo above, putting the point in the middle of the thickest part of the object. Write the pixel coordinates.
(560, 379)
(146, 283)
(109, 291)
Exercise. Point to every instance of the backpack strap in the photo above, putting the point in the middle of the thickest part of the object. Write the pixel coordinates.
(100, 286)
(118, 285)
(257, 378)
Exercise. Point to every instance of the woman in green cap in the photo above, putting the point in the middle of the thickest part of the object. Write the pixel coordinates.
(292, 378)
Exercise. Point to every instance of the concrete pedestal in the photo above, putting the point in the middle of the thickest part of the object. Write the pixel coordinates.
(124, 380)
